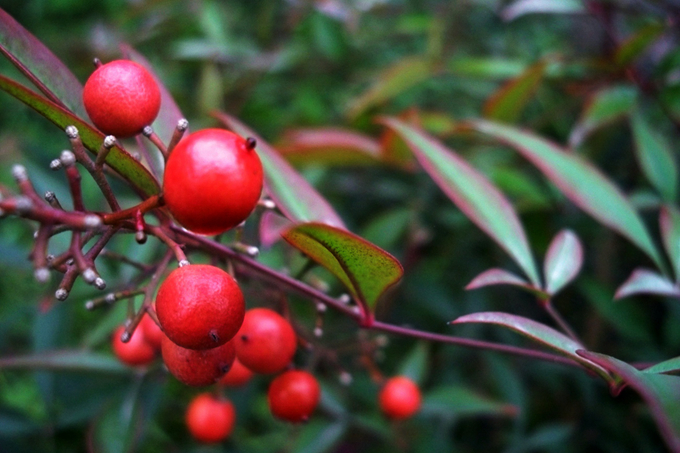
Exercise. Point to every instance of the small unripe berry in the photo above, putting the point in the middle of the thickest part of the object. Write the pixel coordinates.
(266, 342)
(209, 419)
(293, 395)
(212, 182)
(200, 306)
(237, 376)
(137, 351)
(121, 97)
(399, 398)
(197, 367)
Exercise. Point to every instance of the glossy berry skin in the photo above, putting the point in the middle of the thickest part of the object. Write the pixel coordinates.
(212, 181)
(399, 398)
(293, 396)
(121, 97)
(237, 375)
(200, 306)
(209, 419)
(197, 368)
(137, 351)
(266, 342)
(152, 333)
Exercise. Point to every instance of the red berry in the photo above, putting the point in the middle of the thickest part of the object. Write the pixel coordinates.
(197, 367)
(212, 182)
(210, 419)
(266, 342)
(137, 351)
(399, 398)
(293, 395)
(237, 375)
(152, 333)
(200, 306)
(121, 97)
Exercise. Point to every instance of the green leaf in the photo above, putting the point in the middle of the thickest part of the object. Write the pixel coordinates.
(645, 281)
(655, 157)
(118, 159)
(666, 367)
(40, 65)
(415, 364)
(579, 181)
(563, 261)
(669, 221)
(329, 146)
(66, 360)
(632, 47)
(490, 68)
(535, 331)
(472, 192)
(604, 107)
(660, 392)
(366, 270)
(319, 436)
(462, 402)
(522, 7)
(507, 104)
(293, 195)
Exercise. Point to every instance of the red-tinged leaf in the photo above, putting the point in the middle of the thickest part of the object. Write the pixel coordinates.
(65, 360)
(645, 281)
(669, 221)
(329, 145)
(497, 276)
(535, 331)
(522, 7)
(660, 392)
(507, 104)
(655, 157)
(669, 366)
(632, 47)
(563, 261)
(579, 181)
(474, 195)
(40, 65)
(293, 195)
(603, 108)
(118, 159)
(392, 81)
(366, 270)
(272, 226)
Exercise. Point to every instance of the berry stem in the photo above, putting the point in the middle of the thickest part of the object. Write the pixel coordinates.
(145, 206)
(174, 246)
(149, 133)
(178, 133)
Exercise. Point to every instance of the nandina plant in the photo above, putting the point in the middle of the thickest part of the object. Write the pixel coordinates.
(378, 269)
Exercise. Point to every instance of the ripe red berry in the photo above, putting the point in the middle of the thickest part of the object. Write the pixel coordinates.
(237, 375)
(266, 342)
(197, 367)
(210, 419)
(399, 398)
(152, 333)
(293, 395)
(137, 351)
(200, 306)
(212, 181)
(121, 97)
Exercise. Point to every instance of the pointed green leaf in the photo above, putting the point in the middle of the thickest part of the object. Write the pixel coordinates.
(463, 402)
(655, 157)
(579, 181)
(329, 146)
(415, 364)
(669, 221)
(563, 261)
(40, 65)
(604, 107)
(118, 159)
(293, 195)
(666, 367)
(522, 7)
(366, 270)
(65, 360)
(508, 102)
(488, 68)
(661, 393)
(632, 47)
(472, 192)
(645, 281)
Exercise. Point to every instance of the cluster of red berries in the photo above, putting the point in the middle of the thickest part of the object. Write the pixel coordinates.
(212, 182)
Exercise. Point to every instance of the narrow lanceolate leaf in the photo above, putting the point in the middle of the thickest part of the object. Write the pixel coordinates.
(497, 276)
(329, 145)
(65, 360)
(669, 220)
(479, 200)
(366, 270)
(463, 402)
(645, 281)
(655, 157)
(522, 7)
(632, 47)
(118, 159)
(507, 104)
(603, 108)
(40, 65)
(293, 195)
(536, 331)
(669, 366)
(579, 181)
(563, 261)
(660, 392)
